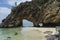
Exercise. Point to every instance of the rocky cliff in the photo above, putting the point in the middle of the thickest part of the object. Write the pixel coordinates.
(36, 11)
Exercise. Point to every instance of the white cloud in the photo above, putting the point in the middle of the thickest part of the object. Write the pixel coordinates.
(4, 13)
(12, 2)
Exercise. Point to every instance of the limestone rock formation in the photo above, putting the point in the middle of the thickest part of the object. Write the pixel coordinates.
(36, 11)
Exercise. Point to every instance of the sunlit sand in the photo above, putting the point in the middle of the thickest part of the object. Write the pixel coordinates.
(25, 33)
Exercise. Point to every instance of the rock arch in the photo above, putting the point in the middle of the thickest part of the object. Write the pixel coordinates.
(44, 11)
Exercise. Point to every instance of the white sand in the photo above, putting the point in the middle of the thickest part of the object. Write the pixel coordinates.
(32, 33)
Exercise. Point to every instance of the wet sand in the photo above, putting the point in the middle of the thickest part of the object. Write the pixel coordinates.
(25, 33)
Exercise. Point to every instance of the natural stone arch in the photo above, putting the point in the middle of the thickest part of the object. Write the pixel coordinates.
(45, 12)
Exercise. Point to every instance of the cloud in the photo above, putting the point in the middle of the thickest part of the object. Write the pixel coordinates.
(4, 13)
(12, 2)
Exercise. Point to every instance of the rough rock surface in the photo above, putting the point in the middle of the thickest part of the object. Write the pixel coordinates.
(36, 11)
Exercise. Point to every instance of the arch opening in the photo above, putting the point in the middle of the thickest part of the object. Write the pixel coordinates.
(27, 23)
(41, 24)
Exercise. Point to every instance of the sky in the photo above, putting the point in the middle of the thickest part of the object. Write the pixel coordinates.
(5, 9)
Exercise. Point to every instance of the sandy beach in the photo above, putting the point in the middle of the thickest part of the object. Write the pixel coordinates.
(25, 33)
